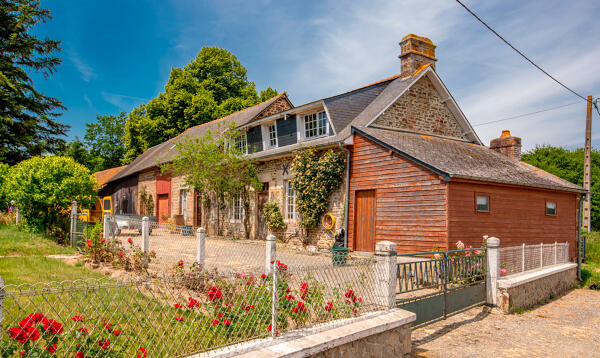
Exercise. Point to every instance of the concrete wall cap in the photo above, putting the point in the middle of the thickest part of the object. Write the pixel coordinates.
(386, 246)
(492, 242)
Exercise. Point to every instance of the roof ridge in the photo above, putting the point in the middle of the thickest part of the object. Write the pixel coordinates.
(387, 79)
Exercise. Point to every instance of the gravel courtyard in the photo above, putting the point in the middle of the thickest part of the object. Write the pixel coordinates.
(566, 327)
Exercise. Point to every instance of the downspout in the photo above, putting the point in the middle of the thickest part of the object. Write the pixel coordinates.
(347, 193)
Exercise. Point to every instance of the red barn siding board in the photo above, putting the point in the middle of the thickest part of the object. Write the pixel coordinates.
(517, 215)
(410, 199)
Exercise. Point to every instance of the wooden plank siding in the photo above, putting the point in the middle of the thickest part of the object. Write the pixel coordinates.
(410, 199)
(517, 215)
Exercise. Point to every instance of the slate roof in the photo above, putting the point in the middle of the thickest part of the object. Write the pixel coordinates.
(458, 159)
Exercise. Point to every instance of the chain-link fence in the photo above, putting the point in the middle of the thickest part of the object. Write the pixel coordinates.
(523, 258)
(177, 315)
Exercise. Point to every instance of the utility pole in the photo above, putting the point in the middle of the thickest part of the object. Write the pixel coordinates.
(587, 162)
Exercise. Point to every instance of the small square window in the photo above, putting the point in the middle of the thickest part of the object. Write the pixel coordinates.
(482, 203)
(551, 208)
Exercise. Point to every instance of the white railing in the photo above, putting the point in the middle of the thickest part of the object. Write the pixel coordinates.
(516, 259)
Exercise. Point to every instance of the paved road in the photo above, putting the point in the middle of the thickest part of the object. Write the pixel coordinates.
(566, 327)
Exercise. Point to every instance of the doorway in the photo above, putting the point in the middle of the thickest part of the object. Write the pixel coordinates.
(162, 209)
(263, 198)
(364, 220)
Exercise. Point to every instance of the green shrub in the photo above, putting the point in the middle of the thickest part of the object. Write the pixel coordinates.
(273, 217)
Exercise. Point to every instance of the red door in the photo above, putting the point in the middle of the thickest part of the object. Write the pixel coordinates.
(163, 207)
(364, 221)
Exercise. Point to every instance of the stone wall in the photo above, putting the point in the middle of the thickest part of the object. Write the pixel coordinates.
(421, 109)
(523, 291)
(280, 105)
(147, 182)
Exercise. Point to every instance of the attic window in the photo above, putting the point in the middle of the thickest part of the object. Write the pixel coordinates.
(272, 135)
(315, 125)
(550, 208)
(482, 203)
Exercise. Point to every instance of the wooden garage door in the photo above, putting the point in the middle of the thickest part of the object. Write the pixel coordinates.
(364, 220)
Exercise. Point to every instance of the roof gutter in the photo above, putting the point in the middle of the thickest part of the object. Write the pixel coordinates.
(505, 182)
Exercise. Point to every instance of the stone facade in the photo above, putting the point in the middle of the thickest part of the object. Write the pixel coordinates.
(421, 109)
(280, 105)
(147, 182)
(177, 185)
(537, 290)
(507, 145)
(393, 343)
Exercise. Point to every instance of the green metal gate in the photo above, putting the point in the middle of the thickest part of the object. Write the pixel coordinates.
(438, 284)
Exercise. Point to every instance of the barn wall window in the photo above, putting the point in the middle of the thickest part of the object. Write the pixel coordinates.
(550, 208)
(482, 203)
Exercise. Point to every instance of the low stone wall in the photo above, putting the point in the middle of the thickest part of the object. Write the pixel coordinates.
(525, 290)
(381, 335)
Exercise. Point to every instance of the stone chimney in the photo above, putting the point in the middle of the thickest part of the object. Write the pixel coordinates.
(415, 52)
(507, 145)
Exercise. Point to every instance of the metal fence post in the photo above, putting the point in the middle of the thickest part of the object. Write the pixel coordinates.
(523, 259)
(146, 238)
(386, 271)
(271, 253)
(542, 254)
(73, 223)
(200, 247)
(493, 269)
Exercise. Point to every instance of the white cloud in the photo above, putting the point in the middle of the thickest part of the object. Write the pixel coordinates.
(123, 102)
(87, 73)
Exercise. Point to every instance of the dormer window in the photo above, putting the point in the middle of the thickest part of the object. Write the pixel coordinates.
(315, 125)
(272, 129)
(241, 143)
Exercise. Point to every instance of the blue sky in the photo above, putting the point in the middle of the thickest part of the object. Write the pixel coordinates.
(118, 54)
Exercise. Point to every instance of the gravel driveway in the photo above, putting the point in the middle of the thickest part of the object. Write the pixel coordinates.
(566, 327)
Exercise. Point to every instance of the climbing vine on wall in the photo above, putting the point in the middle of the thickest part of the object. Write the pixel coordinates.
(273, 217)
(316, 175)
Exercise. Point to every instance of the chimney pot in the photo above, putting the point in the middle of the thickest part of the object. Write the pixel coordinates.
(507, 145)
(415, 53)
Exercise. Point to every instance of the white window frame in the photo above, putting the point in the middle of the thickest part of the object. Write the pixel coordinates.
(290, 202)
(274, 139)
(319, 116)
(183, 193)
(241, 143)
(237, 209)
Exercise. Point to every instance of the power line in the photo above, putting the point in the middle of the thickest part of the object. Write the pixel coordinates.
(527, 114)
(520, 53)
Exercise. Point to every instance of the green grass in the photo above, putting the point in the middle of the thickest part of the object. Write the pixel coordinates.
(590, 272)
(15, 242)
(31, 269)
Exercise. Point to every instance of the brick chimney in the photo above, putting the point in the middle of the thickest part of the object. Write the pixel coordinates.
(507, 145)
(416, 51)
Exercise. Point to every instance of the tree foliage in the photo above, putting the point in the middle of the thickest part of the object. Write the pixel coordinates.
(44, 187)
(104, 140)
(212, 85)
(213, 166)
(28, 124)
(568, 164)
(316, 175)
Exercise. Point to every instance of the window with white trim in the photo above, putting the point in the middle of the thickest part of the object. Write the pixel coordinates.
(290, 201)
(272, 129)
(183, 203)
(241, 143)
(550, 208)
(315, 125)
(238, 208)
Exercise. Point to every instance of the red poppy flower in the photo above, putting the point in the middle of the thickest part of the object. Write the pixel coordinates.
(31, 319)
(214, 293)
(89, 243)
(104, 343)
(179, 319)
(177, 305)
(299, 308)
(102, 240)
(106, 324)
(220, 315)
(77, 318)
(52, 326)
(142, 352)
(270, 328)
(192, 302)
(51, 348)
(129, 240)
(83, 329)
(328, 306)
(102, 234)
(227, 321)
(120, 254)
(349, 293)
(263, 276)
(354, 310)
(79, 355)
(24, 334)
(214, 322)
(116, 332)
(180, 263)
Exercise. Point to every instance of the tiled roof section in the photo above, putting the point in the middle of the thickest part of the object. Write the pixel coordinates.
(103, 176)
(468, 161)
(345, 107)
(163, 152)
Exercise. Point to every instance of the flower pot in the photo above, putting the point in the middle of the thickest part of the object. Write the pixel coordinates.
(339, 255)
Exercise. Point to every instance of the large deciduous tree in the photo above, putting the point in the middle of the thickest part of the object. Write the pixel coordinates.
(211, 86)
(28, 118)
(568, 164)
(104, 140)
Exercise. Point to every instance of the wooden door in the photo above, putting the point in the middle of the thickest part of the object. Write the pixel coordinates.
(262, 223)
(162, 209)
(364, 220)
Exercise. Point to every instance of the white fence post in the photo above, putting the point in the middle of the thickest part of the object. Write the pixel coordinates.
(200, 247)
(542, 254)
(523, 259)
(146, 238)
(386, 270)
(271, 254)
(17, 216)
(73, 223)
(493, 269)
(105, 227)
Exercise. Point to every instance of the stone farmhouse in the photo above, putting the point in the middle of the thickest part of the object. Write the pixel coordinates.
(417, 173)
